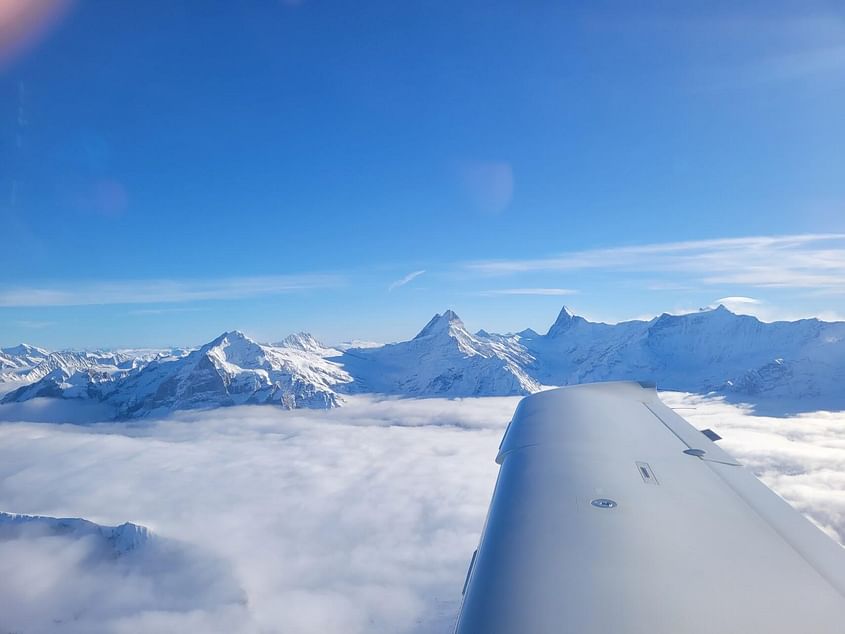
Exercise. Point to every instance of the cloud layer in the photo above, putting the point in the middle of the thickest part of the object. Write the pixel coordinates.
(410, 277)
(814, 261)
(161, 291)
(360, 519)
(547, 292)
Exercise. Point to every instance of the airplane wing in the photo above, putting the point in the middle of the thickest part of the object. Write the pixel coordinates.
(613, 515)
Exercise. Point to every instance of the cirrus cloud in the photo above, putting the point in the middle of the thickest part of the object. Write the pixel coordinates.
(815, 261)
(410, 277)
(161, 290)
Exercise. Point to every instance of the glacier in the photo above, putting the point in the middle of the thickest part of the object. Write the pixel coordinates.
(801, 363)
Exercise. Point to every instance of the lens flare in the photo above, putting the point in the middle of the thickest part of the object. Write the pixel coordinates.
(23, 23)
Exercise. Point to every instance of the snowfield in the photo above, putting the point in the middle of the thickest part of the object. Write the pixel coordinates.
(349, 520)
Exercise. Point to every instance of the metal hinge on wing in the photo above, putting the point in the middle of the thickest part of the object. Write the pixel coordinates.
(691, 437)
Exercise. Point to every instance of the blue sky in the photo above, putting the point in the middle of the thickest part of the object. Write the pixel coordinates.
(170, 170)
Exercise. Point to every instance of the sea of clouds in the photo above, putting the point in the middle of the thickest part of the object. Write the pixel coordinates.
(359, 519)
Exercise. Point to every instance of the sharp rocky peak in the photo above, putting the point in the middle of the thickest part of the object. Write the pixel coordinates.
(563, 322)
(441, 323)
(721, 309)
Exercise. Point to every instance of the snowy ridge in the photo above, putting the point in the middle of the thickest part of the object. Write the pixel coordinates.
(69, 362)
(306, 343)
(707, 351)
(21, 356)
(229, 370)
(233, 369)
(28, 364)
(113, 541)
(443, 359)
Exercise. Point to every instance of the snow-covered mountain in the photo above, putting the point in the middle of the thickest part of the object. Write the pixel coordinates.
(110, 541)
(69, 362)
(233, 369)
(21, 356)
(27, 364)
(306, 343)
(16, 360)
(710, 350)
(444, 359)
(706, 351)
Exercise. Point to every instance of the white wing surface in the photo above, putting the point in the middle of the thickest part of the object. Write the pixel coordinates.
(612, 514)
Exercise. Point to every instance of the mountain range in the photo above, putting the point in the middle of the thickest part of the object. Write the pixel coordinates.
(714, 350)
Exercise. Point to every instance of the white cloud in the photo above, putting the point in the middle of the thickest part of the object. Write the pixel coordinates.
(166, 311)
(767, 312)
(58, 580)
(796, 261)
(161, 291)
(405, 280)
(737, 300)
(29, 323)
(530, 291)
(360, 519)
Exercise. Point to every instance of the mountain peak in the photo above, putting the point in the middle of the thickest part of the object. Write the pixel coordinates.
(441, 323)
(23, 349)
(451, 316)
(229, 338)
(302, 340)
(306, 342)
(562, 323)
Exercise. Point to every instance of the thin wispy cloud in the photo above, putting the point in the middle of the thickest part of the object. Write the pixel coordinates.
(165, 311)
(814, 62)
(776, 48)
(796, 48)
(161, 291)
(34, 323)
(410, 277)
(529, 291)
(811, 261)
(738, 299)
(768, 312)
